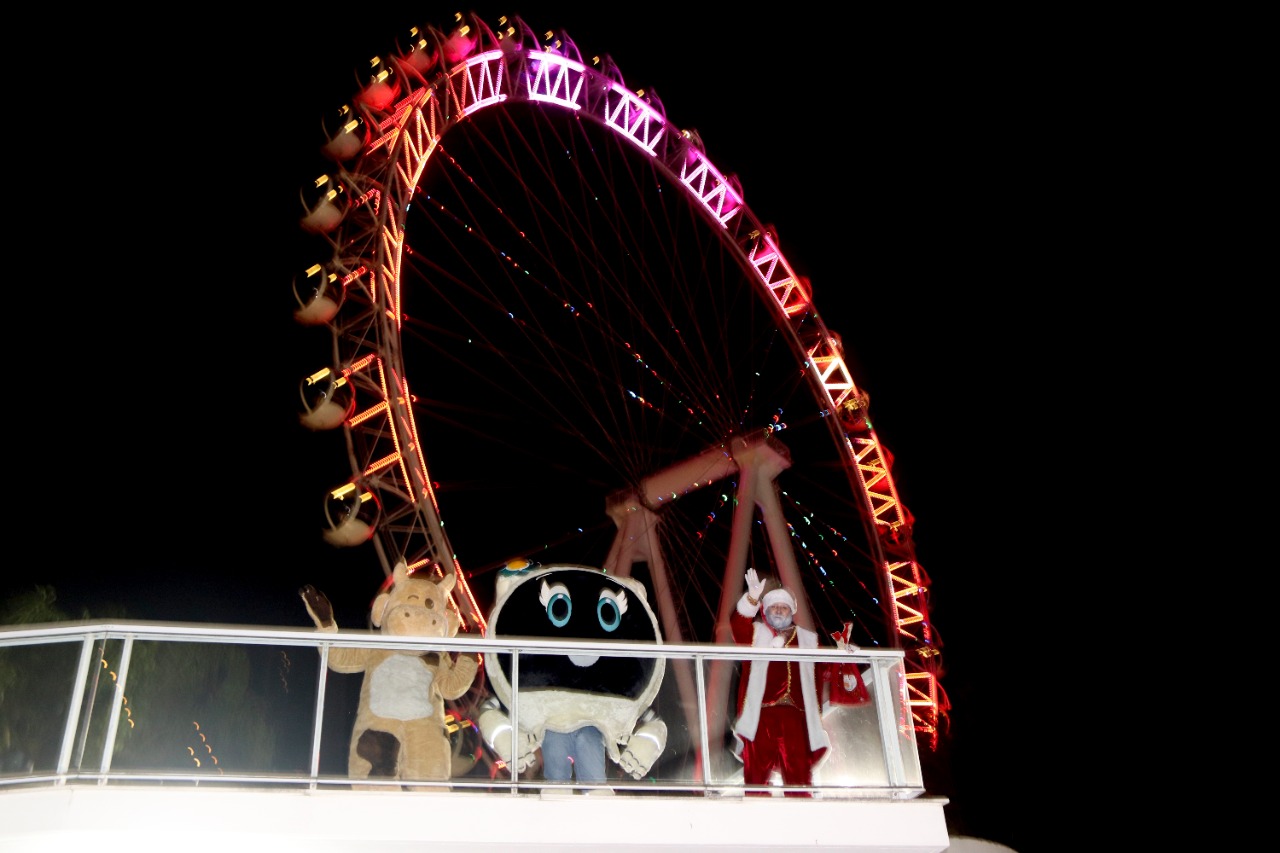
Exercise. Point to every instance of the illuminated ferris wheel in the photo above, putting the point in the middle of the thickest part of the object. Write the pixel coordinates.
(559, 333)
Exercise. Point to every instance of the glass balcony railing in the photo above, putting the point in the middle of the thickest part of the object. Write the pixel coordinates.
(127, 703)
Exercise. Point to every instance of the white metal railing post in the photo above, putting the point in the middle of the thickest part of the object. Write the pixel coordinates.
(74, 706)
(117, 704)
(514, 766)
(703, 750)
(322, 681)
(888, 719)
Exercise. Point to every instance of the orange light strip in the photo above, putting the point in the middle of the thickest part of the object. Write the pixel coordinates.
(385, 462)
(358, 366)
(393, 246)
(371, 412)
(424, 489)
(400, 410)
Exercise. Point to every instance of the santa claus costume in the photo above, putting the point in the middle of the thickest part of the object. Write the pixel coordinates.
(779, 724)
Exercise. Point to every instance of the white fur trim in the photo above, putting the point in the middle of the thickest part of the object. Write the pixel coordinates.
(779, 596)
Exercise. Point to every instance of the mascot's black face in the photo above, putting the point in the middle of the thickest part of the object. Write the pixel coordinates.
(575, 603)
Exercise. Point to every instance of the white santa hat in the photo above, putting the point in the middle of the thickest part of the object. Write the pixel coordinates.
(778, 596)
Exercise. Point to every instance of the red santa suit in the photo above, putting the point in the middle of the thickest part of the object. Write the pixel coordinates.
(779, 724)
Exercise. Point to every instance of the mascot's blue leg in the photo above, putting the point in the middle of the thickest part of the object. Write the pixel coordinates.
(588, 754)
(557, 756)
(579, 754)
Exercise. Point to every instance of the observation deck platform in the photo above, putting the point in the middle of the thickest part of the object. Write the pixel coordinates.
(138, 736)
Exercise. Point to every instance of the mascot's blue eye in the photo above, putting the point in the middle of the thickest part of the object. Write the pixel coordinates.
(609, 609)
(555, 597)
(610, 618)
(559, 609)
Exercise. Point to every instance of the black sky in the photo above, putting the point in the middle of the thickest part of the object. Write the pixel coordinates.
(906, 162)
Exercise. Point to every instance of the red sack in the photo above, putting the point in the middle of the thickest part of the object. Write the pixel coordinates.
(845, 685)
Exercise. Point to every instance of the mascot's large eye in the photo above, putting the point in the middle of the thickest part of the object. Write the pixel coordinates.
(555, 597)
(610, 607)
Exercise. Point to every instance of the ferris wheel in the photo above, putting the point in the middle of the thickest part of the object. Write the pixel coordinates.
(559, 333)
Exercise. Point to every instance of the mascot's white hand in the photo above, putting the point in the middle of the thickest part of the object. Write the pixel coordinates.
(495, 728)
(755, 586)
(644, 747)
(528, 748)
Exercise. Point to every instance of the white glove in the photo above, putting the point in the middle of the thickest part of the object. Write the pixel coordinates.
(644, 747)
(495, 728)
(755, 586)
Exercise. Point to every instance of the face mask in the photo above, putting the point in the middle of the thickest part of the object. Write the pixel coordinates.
(778, 622)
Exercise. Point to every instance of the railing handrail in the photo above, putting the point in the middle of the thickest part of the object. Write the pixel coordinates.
(359, 638)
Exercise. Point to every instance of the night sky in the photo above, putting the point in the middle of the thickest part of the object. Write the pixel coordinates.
(905, 161)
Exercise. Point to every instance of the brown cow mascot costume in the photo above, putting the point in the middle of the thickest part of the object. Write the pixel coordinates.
(399, 729)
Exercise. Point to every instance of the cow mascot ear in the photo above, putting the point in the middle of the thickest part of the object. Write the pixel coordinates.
(453, 620)
(397, 581)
